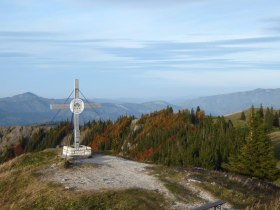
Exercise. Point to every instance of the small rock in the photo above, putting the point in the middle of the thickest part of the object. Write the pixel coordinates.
(193, 180)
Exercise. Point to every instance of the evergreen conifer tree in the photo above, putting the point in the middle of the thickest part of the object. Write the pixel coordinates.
(243, 117)
(256, 157)
(268, 119)
(261, 112)
(193, 117)
(276, 119)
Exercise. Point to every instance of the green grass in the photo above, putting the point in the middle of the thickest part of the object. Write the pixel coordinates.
(21, 187)
(275, 139)
(126, 199)
(164, 172)
(240, 191)
(171, 177)
(37, 158)
(180, 192)
(235, 118)
(277, 182)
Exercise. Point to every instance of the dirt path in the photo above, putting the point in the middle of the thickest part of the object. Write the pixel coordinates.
(103, 172)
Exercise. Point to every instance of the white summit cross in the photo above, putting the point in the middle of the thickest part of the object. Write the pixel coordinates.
(77, 106)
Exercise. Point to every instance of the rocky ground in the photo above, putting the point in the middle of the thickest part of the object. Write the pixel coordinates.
(103, 172)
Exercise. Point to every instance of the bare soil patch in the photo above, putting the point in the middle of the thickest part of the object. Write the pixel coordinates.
(104, 173)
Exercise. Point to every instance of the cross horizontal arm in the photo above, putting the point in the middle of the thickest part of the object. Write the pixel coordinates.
(92, 105)
(66, 106)
(59, 106)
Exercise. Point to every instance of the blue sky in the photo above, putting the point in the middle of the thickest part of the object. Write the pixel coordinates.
(152, 49)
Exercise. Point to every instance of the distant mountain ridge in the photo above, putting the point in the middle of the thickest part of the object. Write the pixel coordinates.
(235, 102)
(28, 108)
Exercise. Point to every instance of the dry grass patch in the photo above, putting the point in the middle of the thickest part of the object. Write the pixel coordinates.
(21, 188)
(172, 178)
(240, 191)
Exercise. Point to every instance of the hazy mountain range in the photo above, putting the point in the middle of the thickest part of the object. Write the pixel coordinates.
(235, 102)
(28, 108)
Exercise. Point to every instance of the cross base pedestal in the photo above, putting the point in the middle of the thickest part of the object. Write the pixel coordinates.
(82, 151)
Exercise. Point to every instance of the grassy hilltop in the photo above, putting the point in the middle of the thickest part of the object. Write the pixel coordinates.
(186, 146)
(23, 186)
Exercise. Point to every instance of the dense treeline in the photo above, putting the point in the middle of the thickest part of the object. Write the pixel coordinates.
(187, 138)
(182, 139)
(47, 139)
(269, 117)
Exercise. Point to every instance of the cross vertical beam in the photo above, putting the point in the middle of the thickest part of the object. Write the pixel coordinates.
(76, 117)
(76, 88)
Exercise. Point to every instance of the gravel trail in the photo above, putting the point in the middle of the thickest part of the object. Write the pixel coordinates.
(104, 172)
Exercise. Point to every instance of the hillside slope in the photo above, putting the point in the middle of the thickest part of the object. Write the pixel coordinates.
(40, 181)
(22, 186)
(275, 138)
(12, 135)
(180, 140)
